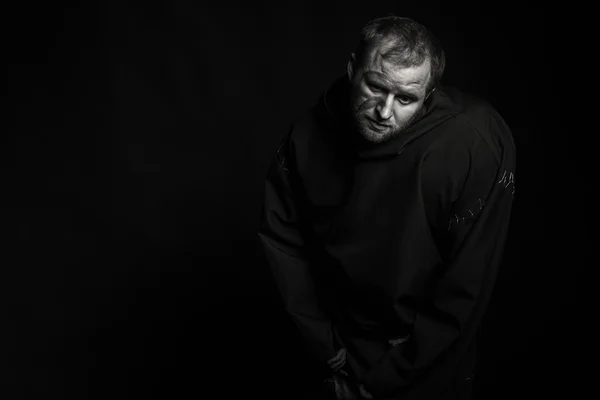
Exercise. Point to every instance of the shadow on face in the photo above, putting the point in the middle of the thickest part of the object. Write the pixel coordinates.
(386, 98)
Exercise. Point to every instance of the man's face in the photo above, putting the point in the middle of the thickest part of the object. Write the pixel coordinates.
(386, 98)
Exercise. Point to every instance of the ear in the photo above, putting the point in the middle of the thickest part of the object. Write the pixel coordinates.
(351, 66)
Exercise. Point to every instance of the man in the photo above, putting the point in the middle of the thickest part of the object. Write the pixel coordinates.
(385, 215)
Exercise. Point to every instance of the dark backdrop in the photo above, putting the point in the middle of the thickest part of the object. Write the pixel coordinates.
(139, 136)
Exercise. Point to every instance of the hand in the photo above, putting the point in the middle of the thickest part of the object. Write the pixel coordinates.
(347, 391)
(364, 393)
(337, 362)
(343, 389)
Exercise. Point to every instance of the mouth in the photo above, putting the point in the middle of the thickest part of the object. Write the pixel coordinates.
(376, 125)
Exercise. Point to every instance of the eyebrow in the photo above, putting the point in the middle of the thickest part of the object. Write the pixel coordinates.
(379, 79)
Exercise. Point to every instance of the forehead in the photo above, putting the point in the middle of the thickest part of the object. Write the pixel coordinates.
(413, 79)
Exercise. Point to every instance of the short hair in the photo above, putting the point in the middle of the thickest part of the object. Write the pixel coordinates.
(404, 42)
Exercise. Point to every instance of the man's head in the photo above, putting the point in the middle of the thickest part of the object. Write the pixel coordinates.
(395, 68)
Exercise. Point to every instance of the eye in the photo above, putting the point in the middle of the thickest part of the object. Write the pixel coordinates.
(404, 100)
(374, 88)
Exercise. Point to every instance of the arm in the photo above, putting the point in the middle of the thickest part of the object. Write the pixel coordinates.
(468, 210)
(283, 239)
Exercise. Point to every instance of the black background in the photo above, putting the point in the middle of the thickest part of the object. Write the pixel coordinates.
(139, 136)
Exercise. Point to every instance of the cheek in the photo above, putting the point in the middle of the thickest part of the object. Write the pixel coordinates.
(366, 103)
(402, 114)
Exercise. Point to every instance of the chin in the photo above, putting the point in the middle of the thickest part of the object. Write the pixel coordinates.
(375, 137)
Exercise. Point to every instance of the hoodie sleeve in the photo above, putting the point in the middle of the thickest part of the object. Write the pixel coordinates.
(468, 197)
(283, 238)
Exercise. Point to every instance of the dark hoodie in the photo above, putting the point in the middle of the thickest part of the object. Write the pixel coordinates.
(374, 243)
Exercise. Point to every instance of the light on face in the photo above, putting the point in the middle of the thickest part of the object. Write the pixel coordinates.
(388, 96)
(385, 106)
(376, 90)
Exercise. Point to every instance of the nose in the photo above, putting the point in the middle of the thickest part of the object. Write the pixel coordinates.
(384, 107)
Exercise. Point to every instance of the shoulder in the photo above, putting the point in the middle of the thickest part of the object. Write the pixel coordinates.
(320, 122)
(462, 164)
(303, 132)
(304, 124)
(454, 151)
(476, 129)
(468, 149)
(314, 135)
(481, 121)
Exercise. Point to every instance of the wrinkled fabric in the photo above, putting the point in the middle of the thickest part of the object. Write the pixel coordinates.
(391, 251)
